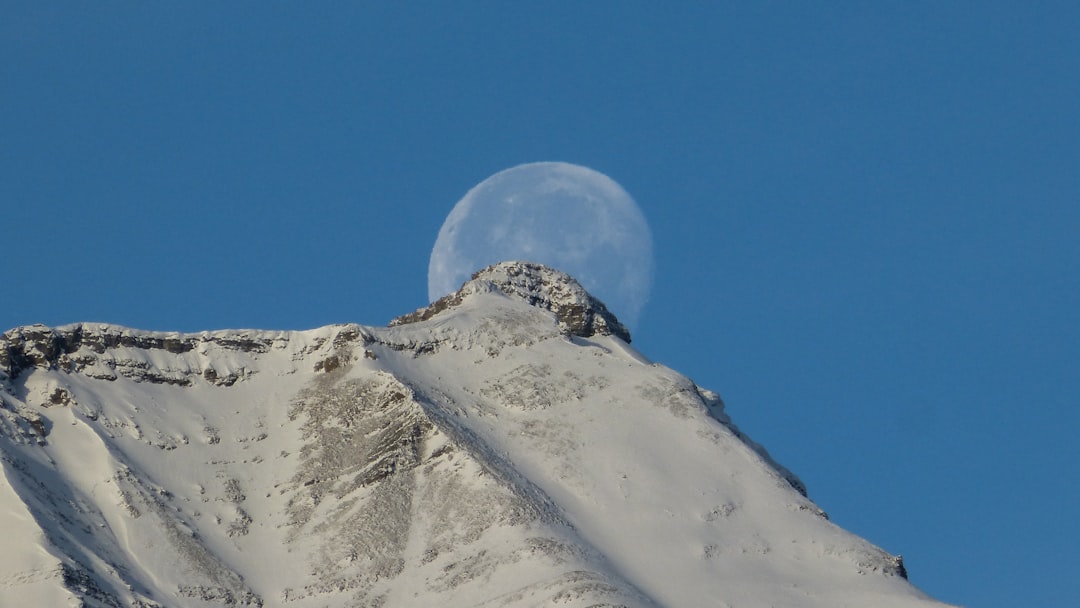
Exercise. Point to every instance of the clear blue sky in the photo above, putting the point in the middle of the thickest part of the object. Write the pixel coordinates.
(866, 217)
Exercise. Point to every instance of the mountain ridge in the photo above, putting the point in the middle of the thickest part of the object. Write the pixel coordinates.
(482, 451)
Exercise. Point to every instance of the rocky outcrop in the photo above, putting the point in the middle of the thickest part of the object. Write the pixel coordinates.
(540, 286)
(82, 347)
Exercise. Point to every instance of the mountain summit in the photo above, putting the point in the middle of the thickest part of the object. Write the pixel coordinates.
(504, 446)
(546, 288)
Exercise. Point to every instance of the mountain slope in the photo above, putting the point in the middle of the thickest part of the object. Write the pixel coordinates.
(504, 446)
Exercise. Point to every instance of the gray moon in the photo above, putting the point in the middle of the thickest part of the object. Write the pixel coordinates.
(562, 215)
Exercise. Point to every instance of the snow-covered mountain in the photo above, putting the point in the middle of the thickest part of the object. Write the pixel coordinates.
(504, 446)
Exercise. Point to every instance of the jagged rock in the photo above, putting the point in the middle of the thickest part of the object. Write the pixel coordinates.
(45, 347)
(540, 286)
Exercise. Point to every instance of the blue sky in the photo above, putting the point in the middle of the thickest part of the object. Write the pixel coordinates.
(865, 216)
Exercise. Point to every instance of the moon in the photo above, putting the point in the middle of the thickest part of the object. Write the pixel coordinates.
(562, 215)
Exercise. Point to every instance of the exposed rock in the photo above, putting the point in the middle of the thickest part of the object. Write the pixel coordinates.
(86, 348)
(539, 286)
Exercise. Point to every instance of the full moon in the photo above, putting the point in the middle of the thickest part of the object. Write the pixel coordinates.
(565, 216)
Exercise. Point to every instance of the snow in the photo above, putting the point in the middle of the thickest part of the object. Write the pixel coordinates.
(483, 456)
(29, 574)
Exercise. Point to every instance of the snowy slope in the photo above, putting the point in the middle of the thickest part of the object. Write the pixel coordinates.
(502, 447)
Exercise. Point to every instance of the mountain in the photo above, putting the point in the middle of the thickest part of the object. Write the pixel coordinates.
(504, 446)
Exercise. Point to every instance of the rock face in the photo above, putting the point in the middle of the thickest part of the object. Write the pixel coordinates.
(539, 286)
(89, 349)
(501, 447)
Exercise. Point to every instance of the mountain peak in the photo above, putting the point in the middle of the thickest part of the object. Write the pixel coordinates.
(540, 286)
(483, 458)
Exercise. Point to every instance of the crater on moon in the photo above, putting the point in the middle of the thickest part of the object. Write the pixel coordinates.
(562, 215)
